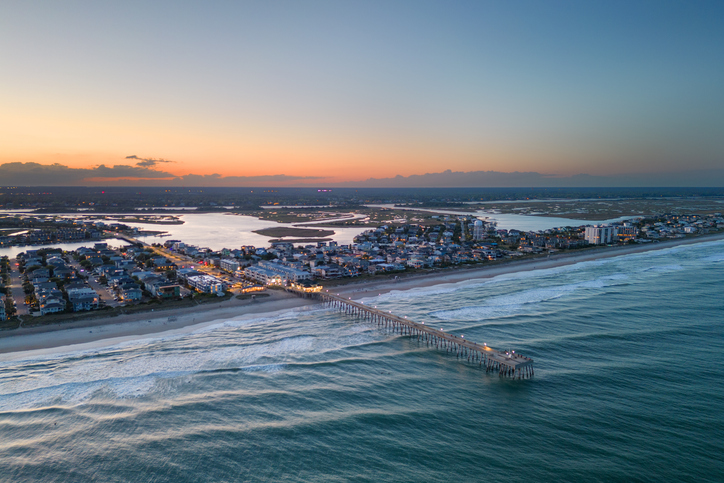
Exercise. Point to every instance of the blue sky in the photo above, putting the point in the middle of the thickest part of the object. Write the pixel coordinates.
(352, 90)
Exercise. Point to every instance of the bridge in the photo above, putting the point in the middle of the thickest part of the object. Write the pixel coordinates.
(505, 363)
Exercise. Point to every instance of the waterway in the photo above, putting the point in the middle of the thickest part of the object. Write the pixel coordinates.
(512, 221)
(223, 230)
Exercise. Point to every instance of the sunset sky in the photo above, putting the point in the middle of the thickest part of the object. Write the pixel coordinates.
(340, 91)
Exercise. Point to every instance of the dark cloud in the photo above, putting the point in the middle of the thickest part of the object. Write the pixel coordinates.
(148, 162)
(35, 174)
(232, 181)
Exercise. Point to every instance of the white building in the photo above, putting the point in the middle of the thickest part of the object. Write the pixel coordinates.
(599, 234)
(207, 284)
(269, 273)
(263, 275)
(478, 230)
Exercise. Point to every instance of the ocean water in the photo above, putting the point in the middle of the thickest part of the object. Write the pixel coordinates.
(628, 387)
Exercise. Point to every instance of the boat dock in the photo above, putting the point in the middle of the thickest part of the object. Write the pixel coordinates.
(506, 364)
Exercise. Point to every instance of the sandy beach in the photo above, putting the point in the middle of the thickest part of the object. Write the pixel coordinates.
(100, 332)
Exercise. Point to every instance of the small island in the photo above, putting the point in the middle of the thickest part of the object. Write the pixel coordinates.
(306, 233)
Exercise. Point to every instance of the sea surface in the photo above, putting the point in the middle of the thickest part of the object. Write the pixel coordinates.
(628, 386)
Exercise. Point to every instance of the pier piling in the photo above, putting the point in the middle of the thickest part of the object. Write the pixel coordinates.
(505, 363)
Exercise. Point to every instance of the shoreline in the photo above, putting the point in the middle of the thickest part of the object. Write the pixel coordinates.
(456, 275)
(103, 331)
(137, 325)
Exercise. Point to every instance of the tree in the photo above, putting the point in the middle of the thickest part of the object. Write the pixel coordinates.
(9, 307)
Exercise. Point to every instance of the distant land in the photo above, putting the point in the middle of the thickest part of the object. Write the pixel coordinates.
(496, 179)
(135, 199)
(144, 174)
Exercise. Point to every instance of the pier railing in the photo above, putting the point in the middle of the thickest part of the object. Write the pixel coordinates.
(505, 363)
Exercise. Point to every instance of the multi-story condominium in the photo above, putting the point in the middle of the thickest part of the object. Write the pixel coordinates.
(263, 275)
(478, 230)
(599, 234)
(626, 232)
(287, 274)
(207, 284)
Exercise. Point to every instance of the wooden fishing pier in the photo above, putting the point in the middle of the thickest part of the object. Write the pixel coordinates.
(505, 363)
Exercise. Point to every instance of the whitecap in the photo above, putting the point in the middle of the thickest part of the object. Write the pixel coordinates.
(519, 302)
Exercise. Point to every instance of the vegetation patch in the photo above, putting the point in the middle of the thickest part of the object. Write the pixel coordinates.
(247, 296)
(281, 232)
(300, 240)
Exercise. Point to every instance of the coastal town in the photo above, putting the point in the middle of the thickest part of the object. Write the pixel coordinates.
(45, 281)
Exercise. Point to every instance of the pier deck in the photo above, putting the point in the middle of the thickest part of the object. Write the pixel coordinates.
(507, 364)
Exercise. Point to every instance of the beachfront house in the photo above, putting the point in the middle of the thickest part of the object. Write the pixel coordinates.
(163, 289)
(84, 298)
(131, 292)
(52, 306)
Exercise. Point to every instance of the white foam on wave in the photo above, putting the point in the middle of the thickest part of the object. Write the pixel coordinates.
(447, 288)
(677, 249)
(715, 257)
(441, 289)
(125, 370)
(663, 268)
(536, 273)
(262, 319)
(523, 301)
(269, 368)
(136, 342)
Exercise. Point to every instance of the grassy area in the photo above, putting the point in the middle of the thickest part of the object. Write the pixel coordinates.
(597, 210)
(247, 296)
(153, 306)
(300, 240)
(294, 232)
(285, 217)
(9, 324)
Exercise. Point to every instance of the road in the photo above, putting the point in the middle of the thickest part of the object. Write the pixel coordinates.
(184, 261)
(187, 261)
(16, 287)
(105, 293)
